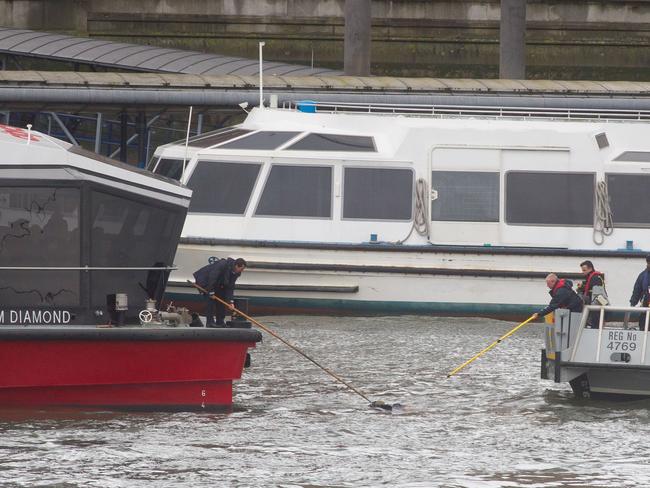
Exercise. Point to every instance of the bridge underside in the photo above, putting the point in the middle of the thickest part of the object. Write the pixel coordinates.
(127, 115)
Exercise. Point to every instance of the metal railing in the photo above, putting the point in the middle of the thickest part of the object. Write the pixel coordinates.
(452, 111)
(85, 268)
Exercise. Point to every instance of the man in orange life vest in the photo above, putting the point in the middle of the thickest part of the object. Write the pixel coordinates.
(586, 290)
(642, 291)
(562, 296)
(592, 278)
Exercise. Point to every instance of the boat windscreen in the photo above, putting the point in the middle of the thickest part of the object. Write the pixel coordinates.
(217, 137)
(637, 156)
(334, 142)
(263, 140)
(171, 168)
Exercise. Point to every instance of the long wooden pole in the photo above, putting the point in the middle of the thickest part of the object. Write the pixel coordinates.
(284, 341)
(494, 344)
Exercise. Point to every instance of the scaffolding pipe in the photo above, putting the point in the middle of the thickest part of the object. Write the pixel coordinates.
(98, 133)
(65, 130)
(12, 96)
(134, 136)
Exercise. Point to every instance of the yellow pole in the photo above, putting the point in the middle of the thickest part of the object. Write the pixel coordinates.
(494, 344)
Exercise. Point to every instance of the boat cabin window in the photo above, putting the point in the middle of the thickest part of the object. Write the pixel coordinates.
(297, 191)
(629, 197)
(171, 168)
(465, 196)
(635, 156)
(334, 142)
(127, 232)
(265, 140)
(39, 227)
(213, 138)
(222, 187)
(544, 198)
(377, 194)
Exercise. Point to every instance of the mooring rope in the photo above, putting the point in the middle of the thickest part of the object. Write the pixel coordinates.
(421, 223)
(603, 221)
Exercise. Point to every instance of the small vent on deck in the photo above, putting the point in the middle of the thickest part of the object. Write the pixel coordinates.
(601, 140)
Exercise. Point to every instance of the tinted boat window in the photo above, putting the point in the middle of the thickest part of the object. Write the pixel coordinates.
(39, 227)
(129, 233)
(334, 142)
(465, 196)
(216, 137)
(222, 187)
(152, 162)
(638, 156)
(372, 193)
(171, 168)
(297, 191)
(550, 198)
(261, 140)
(629, 198)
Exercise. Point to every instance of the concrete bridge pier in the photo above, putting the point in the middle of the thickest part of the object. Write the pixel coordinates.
(512, 40)
(356, 48)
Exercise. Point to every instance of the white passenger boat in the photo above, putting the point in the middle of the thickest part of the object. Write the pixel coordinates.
(354, 211)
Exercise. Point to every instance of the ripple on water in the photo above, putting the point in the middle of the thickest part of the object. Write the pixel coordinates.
(496, 424)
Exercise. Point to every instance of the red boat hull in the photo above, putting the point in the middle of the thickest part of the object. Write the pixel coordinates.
(122, 368)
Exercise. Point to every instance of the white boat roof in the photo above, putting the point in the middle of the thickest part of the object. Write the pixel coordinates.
(22, 149)
(391, 131)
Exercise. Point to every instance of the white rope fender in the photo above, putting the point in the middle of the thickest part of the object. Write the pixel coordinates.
(421, 223)
(603, 220)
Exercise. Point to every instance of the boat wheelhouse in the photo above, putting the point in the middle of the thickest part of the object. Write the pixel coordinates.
(354, 211)
(86, 246)
(76, 227)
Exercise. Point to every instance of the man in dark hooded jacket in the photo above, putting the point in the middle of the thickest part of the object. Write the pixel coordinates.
(219, 278)
(641, 291)
(562, 296)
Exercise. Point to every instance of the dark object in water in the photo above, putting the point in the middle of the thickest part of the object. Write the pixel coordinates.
(380, 405)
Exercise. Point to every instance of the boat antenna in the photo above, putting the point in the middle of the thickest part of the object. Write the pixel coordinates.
(262, 44)
(187, 142)
(378, 404)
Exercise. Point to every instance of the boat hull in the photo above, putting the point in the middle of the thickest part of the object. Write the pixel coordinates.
(122, 368)
(612, 384)
(498, 282)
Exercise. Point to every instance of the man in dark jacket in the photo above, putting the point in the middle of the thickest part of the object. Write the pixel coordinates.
(562, 296)
(641, 291)
(219, 278)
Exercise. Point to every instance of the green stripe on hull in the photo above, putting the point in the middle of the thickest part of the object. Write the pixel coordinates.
(377, 307)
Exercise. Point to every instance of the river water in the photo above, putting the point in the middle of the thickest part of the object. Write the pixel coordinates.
(496, 424)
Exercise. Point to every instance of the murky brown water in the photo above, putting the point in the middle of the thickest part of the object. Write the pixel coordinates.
(495, 425)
